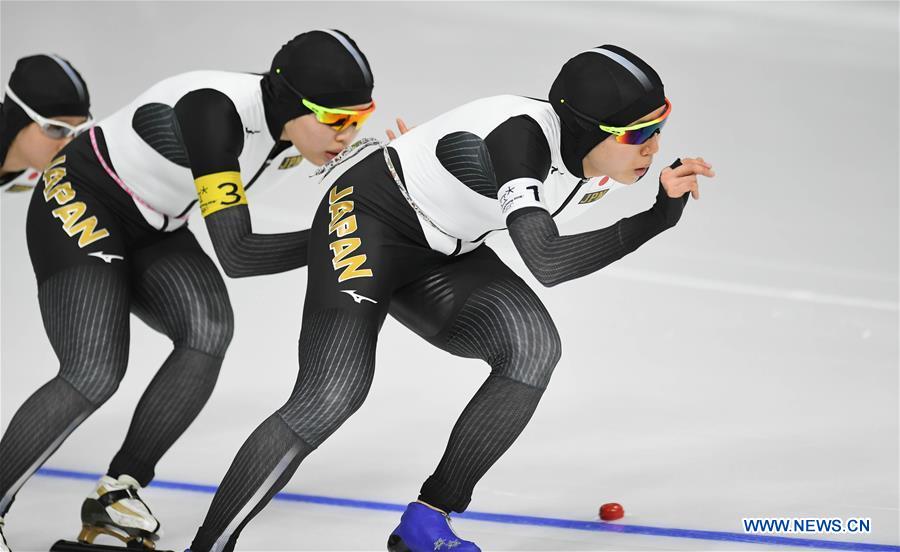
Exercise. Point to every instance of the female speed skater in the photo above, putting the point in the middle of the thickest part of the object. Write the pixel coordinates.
(402, 230)
(107, 234)
(46, 105)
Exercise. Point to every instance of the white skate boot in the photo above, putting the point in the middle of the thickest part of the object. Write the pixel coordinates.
(115, 509)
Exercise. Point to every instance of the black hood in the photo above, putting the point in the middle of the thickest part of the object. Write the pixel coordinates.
(47, 84)
(609, 84)
(326, 66)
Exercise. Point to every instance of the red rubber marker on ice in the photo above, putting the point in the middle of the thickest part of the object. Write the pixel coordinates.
(611, 511)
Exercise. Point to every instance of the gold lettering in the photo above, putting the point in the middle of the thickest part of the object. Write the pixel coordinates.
(338, 210)
(70, 215)
(334, 195)
(86, 233)
(62, 193)
(343, 227)
(351, 268)
(342, 248)
(58, 161)
(51, 177)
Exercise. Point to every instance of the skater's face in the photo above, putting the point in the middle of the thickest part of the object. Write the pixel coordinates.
(319, 143)
(624, 163)
(33, 148)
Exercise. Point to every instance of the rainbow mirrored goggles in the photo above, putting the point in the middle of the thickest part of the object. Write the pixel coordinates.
(338, 119)
(634, 134)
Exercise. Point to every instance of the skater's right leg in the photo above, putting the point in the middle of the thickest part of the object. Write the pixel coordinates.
(79, 255)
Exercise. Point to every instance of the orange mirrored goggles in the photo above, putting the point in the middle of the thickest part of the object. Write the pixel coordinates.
(336, 118)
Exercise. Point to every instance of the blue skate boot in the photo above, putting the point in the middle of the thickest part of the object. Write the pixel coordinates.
(426, 529)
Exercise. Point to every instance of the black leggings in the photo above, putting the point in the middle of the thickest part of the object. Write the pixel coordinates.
(88, 282)
(368, 257)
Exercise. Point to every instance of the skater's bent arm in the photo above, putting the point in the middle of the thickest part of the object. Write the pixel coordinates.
(213, 136)
(243, 253)
(554, 259)
(521, 159)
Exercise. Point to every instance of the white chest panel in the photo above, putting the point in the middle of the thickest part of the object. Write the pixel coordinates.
(458, 217)
(164, 189)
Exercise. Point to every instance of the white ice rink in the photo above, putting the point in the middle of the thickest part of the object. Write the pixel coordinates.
(743, 364)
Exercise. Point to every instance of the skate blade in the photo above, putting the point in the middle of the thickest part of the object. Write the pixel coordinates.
(141, 541)
(72, 546)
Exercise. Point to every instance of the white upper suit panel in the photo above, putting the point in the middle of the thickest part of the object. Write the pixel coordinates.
(440, 172)
(145, 148)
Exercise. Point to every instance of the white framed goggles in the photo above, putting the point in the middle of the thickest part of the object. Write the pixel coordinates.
(53, 128)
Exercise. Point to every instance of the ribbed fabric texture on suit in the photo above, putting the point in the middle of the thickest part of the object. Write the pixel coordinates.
(554, 259)
(183, 296)
(506, 325)
(85, 313)
(337, 362)
(262, 467)
(243, 253)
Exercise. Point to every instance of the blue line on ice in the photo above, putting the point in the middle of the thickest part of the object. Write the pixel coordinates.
(523, 520)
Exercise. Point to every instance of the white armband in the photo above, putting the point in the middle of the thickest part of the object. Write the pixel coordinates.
(520, 193)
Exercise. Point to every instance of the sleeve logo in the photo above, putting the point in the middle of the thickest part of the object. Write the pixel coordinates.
(290, 162)
(593, 196)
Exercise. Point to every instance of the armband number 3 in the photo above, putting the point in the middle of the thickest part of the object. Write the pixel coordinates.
(233, 192)
(219, 191)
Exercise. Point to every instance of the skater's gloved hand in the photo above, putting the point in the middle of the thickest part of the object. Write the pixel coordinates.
(401, 125)
(680, 179)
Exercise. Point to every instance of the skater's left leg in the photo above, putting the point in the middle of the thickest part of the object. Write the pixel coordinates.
(178, 291)
(356, 261)
(337, 364)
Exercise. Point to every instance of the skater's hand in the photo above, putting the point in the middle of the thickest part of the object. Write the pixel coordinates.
(401, 125)
(683, 179)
